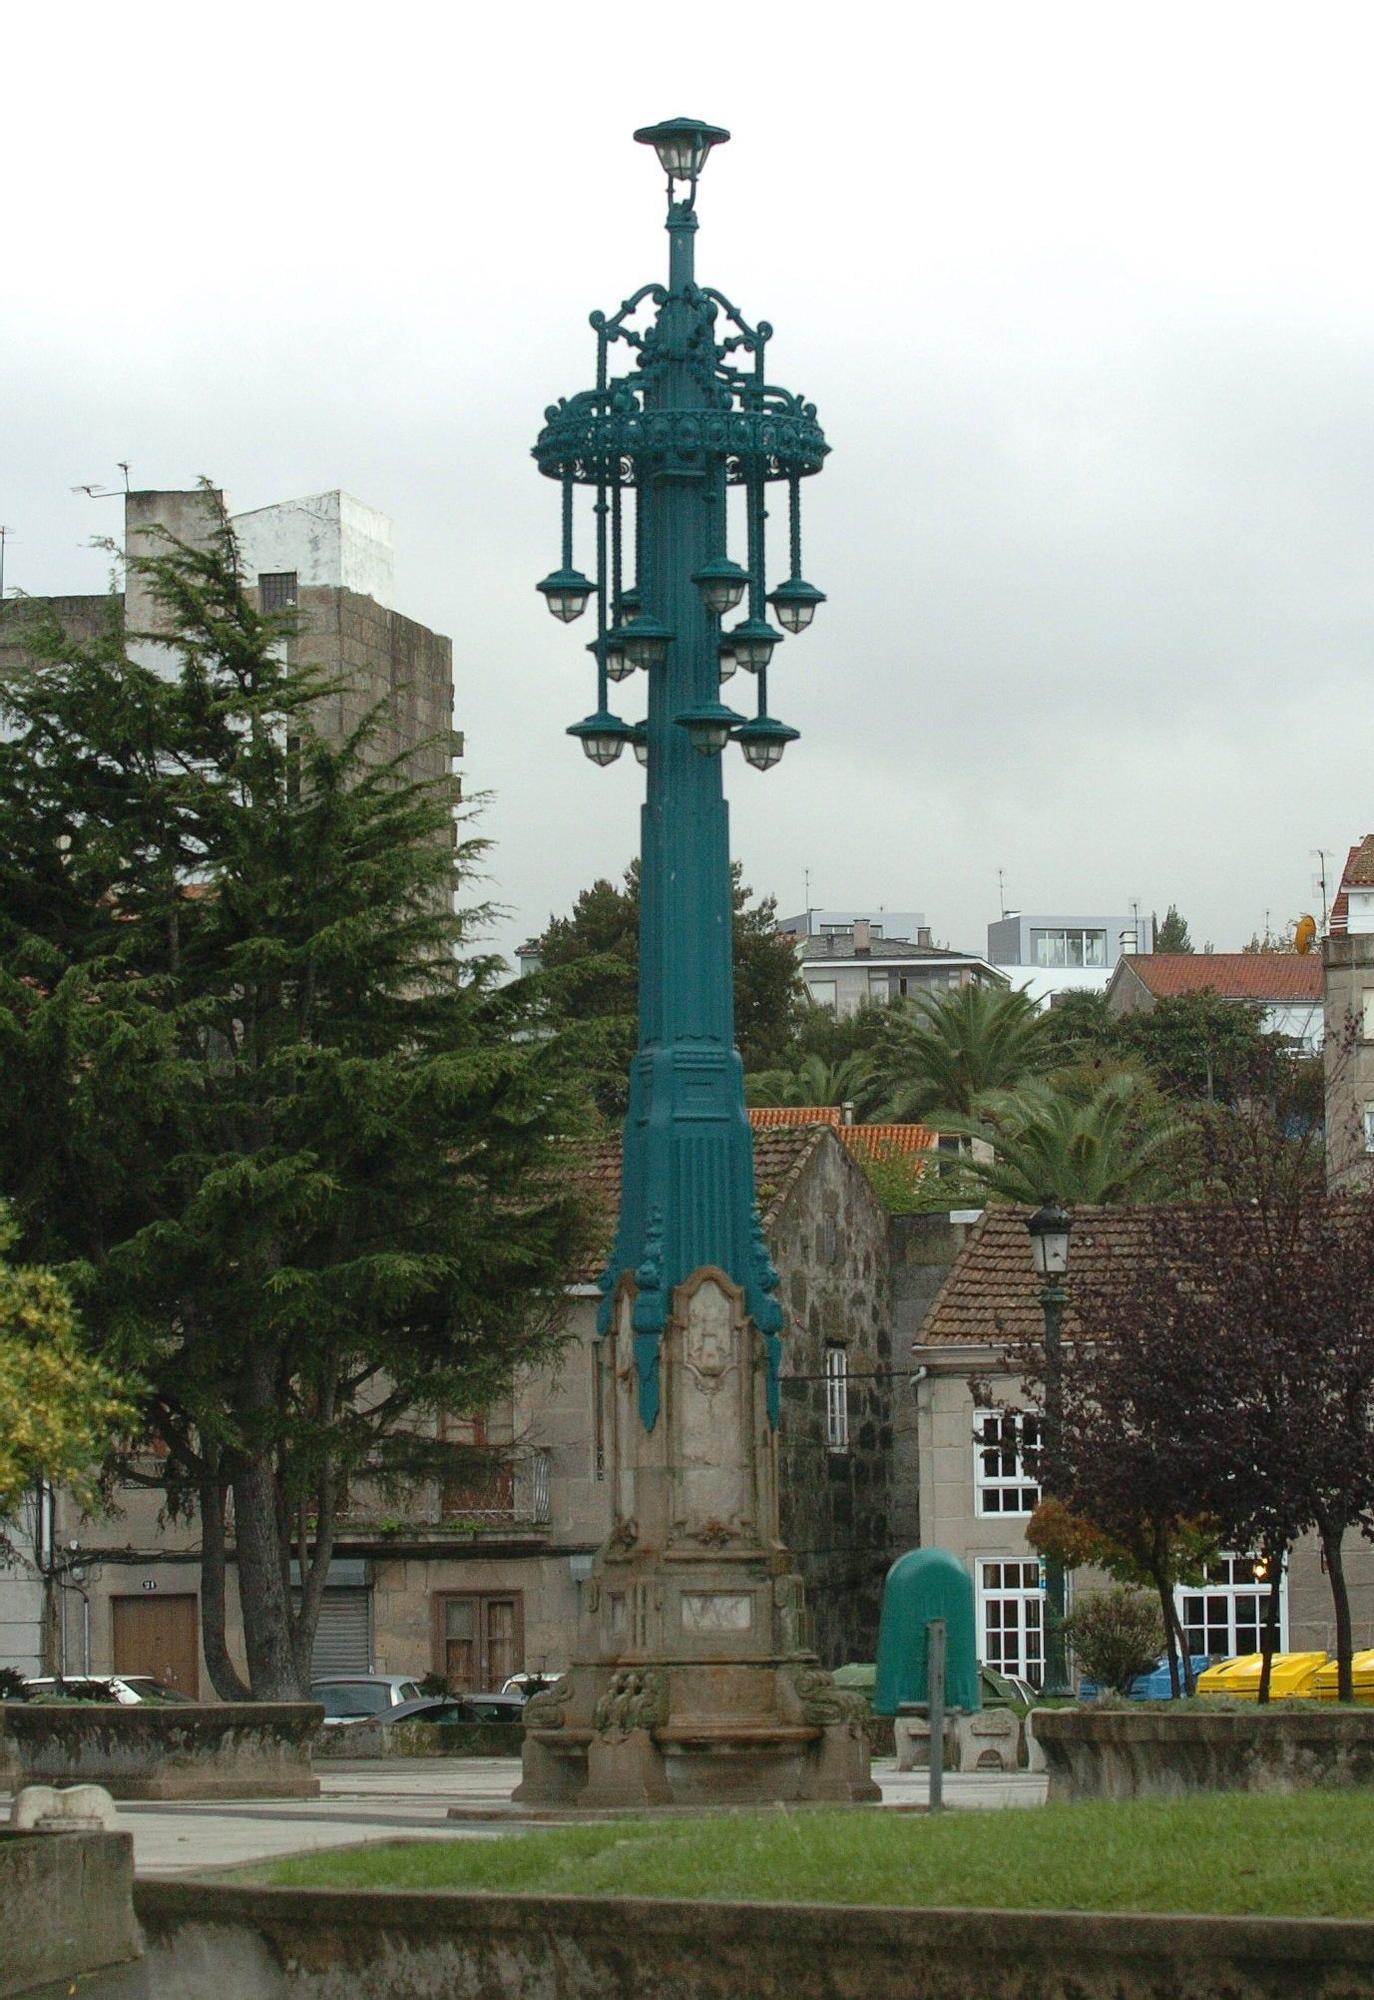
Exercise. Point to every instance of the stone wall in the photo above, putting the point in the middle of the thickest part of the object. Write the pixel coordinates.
(388, 659)
(830, 1243)
(66, 1908)
(234, 1750)
(1120, 1753)
(82, 617)
(268, 1944)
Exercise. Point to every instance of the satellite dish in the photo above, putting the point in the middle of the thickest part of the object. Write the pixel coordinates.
(1305, 935)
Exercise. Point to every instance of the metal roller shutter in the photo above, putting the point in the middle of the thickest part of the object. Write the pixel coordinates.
(343, 1637)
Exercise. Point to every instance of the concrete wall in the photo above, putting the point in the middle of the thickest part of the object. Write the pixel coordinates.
(387, 659)
(66, 1909)
(83, 617)
(1348, 972)
(265, 1944)
(330, 540)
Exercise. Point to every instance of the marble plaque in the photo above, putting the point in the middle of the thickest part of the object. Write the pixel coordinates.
(717, 1611)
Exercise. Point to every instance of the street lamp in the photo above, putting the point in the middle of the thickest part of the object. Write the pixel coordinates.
(1049, 1230)
(693, 1608)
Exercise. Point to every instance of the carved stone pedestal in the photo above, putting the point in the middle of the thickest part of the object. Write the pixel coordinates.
(692, 1684)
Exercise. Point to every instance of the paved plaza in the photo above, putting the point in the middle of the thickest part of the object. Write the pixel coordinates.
(411, 1799)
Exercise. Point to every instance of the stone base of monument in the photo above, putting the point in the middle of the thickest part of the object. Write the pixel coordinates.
(696, 1733)
(692, 1685)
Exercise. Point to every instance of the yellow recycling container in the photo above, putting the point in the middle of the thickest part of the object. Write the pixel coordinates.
(1291, 1674)
(1361, 1673)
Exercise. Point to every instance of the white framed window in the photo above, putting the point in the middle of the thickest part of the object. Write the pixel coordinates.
(1001, 1484)
(1011, 1618)
(1368, 1123)
(824, 993)
(1224, 1615)
(837, 1398)
(1367, 1015)
(1069, 947)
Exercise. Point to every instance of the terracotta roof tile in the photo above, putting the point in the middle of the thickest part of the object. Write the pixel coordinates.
(1235, 975)
(992, 1295)
(1358, 873)
(868, 1142)
(781, 1154)
(763, 1116)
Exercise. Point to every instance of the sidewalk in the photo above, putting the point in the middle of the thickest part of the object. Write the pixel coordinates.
(410, 1798)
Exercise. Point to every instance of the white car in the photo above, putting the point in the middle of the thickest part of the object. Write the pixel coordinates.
(126, 1689)
(356, 1697)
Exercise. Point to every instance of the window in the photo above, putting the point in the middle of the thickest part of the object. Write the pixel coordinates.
(823, 993)
(1369, 1128)
(1225, 1614)
(1011, 1608)
(1001, 1484)
(478, 1639)
(837, 1399)
(1069, 947)
(879, 987)
(276, 589)
(483, 1483)
(1367, 1015)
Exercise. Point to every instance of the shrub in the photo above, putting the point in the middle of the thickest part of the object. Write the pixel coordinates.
(1116, 1635)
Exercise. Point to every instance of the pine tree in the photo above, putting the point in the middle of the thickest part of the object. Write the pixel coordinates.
(264, 1104)
(1172, 934)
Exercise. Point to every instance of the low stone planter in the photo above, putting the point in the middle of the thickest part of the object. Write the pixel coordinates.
(66, 1908)
(324, 1944)
(367, 1740)
(1136, 1753)
(231, 1750)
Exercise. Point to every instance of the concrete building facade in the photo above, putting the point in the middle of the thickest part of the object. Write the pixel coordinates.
(864, 963)
(1045, 955)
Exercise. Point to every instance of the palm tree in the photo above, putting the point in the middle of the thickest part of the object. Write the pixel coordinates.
(1089, 1140)
(938, 1058)
(813, 1081)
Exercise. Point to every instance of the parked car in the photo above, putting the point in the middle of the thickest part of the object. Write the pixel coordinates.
(127, 1689)
(350, 1697)
(459, 1708)
(527, 1684)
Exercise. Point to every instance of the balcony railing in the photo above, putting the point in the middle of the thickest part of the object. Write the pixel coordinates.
(509, 1489)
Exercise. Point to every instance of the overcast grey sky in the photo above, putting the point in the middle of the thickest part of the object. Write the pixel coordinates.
(1084, 295)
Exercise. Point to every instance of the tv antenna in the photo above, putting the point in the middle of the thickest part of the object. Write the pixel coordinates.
(1001, 893)
(6, 534)
(94, 491)
(1323, 854)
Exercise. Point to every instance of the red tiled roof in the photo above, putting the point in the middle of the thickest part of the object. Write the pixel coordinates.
(870, 1142)
(1358, 873)
(1235, 975)
(763, 1116)
(780, 1155)
(992, 1295)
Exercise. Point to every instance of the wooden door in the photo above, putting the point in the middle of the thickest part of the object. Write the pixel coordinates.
(158, 1635)
(478, 1640)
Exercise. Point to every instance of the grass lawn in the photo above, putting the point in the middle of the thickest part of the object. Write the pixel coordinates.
(1308, 1855)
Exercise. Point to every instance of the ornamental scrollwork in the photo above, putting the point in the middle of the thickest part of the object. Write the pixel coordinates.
(545, 1709)
(637, 1698)
(823, 1705)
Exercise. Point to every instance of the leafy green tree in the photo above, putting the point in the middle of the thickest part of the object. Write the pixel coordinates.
(292, 1147)
(1172, 934)
(1090, 1140)
(937, 1059)
(61, 1410)
(1201, 1048)
(1116, 1635)
(590, 980)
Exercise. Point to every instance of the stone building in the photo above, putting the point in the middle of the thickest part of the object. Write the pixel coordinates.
(1348, 986)
(1285, 986)
(976, 1495)
(327, 556)
(478, 1576)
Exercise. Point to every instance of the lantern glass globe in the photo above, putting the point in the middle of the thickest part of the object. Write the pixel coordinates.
(1049, 1238)
(566, 593)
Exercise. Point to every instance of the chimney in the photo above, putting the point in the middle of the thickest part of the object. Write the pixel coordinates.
(863, 938)
(923, 936)
(847, 1112)
(1127, 942)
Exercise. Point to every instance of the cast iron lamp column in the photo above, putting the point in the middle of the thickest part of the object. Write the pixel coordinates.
(1049, 1235)
(673, 440)
(690, 1678)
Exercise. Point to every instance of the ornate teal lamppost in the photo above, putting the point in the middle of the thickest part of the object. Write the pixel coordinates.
(692, 1680)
